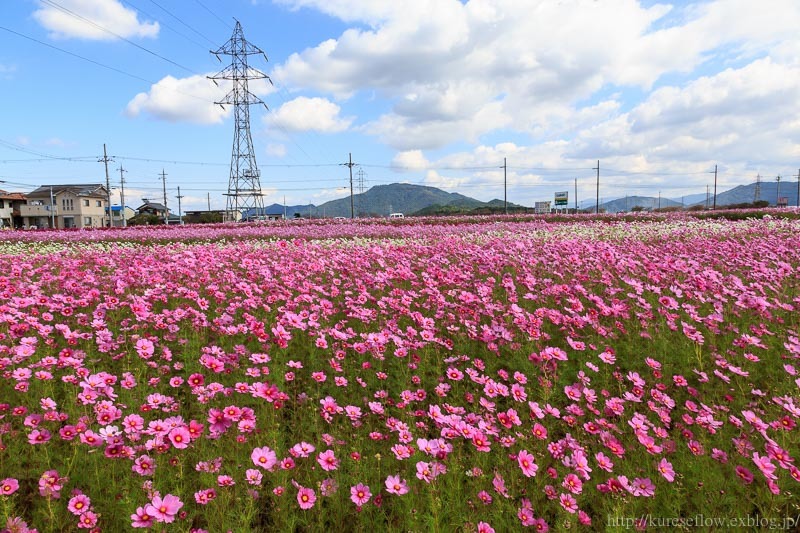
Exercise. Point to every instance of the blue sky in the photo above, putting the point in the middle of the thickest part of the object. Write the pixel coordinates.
(433, 92)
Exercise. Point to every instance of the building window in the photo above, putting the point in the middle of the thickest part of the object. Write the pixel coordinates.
(67, 204)
(87, 221)
(86, 203)
(99, 203)
(2, 204)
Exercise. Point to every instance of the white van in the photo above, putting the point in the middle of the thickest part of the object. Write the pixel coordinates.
(396, 215)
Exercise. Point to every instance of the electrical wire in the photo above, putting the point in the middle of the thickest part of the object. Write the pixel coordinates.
(92, 61)
(102, 28)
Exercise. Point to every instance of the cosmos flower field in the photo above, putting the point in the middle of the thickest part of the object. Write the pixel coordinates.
(467, 375)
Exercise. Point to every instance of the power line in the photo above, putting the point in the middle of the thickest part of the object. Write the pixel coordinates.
(165, 10)
(131, 4)
(97, 63)
(98, 26)
(201, 4)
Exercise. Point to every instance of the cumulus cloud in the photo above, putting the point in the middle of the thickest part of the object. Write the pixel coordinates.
(188, 99)
(460, 70)
(92, 20)
(735, 115)
(410, 160)
(276, 150)
(181, 100)
(309, 114)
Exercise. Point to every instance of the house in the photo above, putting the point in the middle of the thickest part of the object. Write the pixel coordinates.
(117, 214)
(153, 208)
(204, 216)
(66, 206)
(9, 209)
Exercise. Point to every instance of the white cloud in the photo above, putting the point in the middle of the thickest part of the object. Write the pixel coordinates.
(309, 114)
(458, 70)
(276, 150)
(7, 71)
(738, 115)
(181, 100)
(88, 19)
(410, 160)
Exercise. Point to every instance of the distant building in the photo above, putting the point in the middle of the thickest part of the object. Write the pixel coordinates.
(118, 214)
(204, 216)
(153, 208)
(66, 206)
(10, 203)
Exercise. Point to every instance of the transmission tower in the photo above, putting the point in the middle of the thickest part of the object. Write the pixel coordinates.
(244, 186)
(360, 175)
(757, 195)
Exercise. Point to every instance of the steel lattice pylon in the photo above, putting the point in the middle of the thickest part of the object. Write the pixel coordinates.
(244, 187)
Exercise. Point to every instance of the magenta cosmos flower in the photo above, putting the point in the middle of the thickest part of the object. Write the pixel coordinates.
(360, 494)
(141, 519)
(264, 457)
(306, 498)
(164, 509)
(527, 463)
(180, 437)
(9, 486)
(395, 485)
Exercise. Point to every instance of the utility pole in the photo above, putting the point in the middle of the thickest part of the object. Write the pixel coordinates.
(350, 164)
(244, 185)
(166, 211)
(597, 201)
(505, 185)
(798, 188)
(659, 199)
(360, 175)
(778, 194)
(208, 196)
(52, 209)
(122, 196)
(707, 193)
(180, 213)
(284, 207)
(757, 195)
(715, 187)
(576, 196)
(105, 160)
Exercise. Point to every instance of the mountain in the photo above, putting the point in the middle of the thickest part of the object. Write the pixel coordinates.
(690, 199)
(381, 200)
(746, 194)
(627, 203)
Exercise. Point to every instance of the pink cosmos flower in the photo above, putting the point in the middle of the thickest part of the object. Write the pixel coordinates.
(527, 463)
(666, 470)
(204, 496)
(180, 437)
(253, 476)
(79, 504)
(328, 461)
(306, 498)
(144, 465)
(141, 519)
(572, 483)
(568, 503)
(643, 487)
(744, 474)
(360, 494)
(8, 486)
(395, 485)
(39, 436)
(484, 527)
(87, 520)
(264, 457)
(164, 509)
